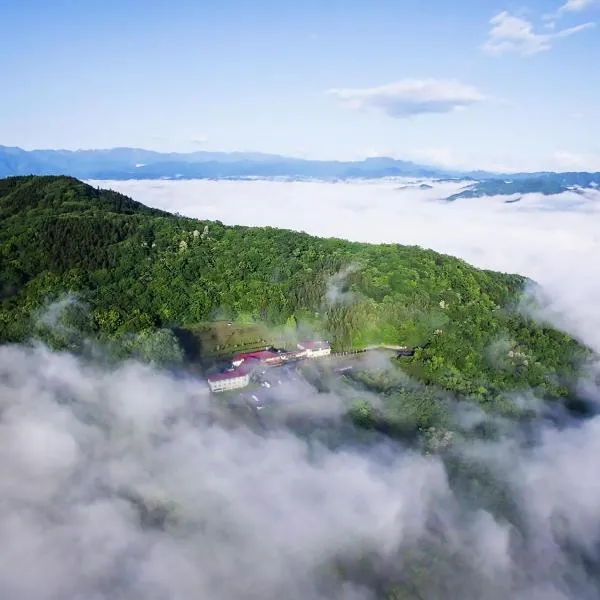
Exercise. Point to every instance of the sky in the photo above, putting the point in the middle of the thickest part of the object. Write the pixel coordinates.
(495, 84)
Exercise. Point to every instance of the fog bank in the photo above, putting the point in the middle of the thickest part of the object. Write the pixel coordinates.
(115, 485)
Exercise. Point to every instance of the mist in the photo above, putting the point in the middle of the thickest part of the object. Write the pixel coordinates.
(117, 483)
(244, 515)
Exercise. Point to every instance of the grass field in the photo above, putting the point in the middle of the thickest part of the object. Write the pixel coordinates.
(220, 339)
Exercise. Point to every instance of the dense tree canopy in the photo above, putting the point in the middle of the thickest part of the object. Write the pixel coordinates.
(141, 270)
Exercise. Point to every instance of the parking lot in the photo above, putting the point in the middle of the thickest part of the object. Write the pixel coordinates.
(272, 385)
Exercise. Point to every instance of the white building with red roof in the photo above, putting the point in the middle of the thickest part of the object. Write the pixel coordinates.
(229, 380)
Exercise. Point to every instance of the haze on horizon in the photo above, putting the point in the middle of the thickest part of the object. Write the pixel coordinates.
(475, 85)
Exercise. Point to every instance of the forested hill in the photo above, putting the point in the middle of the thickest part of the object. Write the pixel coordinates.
(138, 269)
(547, 184)
(57, 195)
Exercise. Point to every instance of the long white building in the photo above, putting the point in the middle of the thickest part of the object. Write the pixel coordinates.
(228, 380)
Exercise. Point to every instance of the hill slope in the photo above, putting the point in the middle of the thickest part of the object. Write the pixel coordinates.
(140, 269)
(541, 183)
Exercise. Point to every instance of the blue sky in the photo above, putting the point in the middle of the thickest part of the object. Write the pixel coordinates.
(477, 83)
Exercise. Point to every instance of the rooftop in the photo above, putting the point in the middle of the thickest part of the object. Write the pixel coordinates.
(229, 374)
(259, 355)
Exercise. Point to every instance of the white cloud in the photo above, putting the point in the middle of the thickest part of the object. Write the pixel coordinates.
(576, 5)
(510, 33)
(411, 97)
(74, 474)
(571, 6)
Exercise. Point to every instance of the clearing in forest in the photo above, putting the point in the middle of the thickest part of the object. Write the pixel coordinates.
(224, 338)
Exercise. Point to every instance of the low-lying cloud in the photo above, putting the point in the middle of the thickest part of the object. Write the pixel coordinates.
(118, 484)
(411, 97)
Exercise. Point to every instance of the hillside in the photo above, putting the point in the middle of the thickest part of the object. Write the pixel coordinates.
(541, 183)
(136, 269)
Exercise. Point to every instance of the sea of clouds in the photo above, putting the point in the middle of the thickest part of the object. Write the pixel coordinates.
(232, 512)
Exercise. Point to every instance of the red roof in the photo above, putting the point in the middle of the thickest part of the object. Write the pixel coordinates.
(260, 355)
(232, 374)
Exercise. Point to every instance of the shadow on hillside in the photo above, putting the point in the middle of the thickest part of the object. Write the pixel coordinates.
(190, 344)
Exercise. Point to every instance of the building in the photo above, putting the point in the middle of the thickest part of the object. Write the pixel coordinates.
(261, 357)
(232, 379)
(314, 349)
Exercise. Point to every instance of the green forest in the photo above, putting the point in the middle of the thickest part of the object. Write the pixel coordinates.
(128, 276)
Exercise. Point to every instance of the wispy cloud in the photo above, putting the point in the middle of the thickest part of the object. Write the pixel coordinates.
(510, 33)
(576, 5)
(571, 6)
(411, 97)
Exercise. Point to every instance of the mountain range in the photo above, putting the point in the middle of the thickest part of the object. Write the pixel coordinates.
(136, 163)
(547, 184)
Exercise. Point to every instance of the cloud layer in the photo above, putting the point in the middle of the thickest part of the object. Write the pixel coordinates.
(114, 485)
(512, 34)
(411, 97)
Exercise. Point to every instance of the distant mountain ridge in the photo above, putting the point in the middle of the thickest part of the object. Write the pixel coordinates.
(135, 163)
(547, 184)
